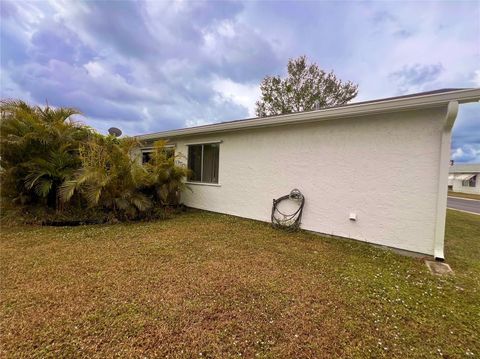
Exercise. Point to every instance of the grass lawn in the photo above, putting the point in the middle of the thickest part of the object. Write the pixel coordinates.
(464, 195)
(209, 285)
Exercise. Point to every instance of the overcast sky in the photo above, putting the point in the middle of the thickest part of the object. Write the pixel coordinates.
(151, 66)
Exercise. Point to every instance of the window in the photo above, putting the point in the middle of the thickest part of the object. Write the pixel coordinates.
(147, 154)
(203, 162)
(169, 152)
(471, 182)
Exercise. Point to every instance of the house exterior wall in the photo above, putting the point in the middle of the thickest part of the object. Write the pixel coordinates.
(384, 168)
(459, 187)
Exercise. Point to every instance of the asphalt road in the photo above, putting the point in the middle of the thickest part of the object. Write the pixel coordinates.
(464, 204)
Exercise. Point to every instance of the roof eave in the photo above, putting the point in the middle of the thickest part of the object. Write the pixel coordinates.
(353, 110)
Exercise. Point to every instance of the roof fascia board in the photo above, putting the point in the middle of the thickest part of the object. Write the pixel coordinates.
(353, 110)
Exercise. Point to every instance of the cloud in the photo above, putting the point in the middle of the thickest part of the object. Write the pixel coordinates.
(147, 66)
(466, 134)
(476, 78)
(238, 52)
(417, 77)
(133, 68)
(119, 27)
(8, 9)
(240, 93)
(466, 154)
(95, 69)
(56, 41)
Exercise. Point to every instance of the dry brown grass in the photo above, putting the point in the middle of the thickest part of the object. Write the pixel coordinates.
(208, 285)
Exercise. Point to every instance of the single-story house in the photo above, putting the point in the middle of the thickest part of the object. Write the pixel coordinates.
(464, 178)
(373, 171)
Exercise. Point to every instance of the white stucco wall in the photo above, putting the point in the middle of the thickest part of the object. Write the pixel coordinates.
(384, 168)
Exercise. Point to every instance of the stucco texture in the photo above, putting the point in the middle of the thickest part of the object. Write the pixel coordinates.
(383, 168)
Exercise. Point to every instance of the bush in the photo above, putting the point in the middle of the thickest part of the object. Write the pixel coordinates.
(111, 178)
(39, 151)
(51, 163)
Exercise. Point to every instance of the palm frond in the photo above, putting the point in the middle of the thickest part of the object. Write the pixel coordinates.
(43, 187)
(141, 202)
(32, 178)
(67, 189)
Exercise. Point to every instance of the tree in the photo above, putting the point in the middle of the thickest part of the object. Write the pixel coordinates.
(305, 87)
(48, 161)
(110, 177)
(167, 179)
(39, 150)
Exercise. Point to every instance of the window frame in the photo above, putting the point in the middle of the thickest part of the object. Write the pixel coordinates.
(203, 144)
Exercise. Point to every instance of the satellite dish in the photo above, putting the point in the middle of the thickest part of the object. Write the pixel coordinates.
(115, 131)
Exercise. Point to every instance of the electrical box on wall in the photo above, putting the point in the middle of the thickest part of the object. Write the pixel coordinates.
(353, 216)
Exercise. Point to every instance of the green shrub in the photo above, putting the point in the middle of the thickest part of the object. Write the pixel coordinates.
(39, 151)
(50, 163)
(113, 179)
(165, 177)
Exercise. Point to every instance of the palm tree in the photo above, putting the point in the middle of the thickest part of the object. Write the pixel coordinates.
(47, 158)
(39, 150)
(110, 177)
(167, 178)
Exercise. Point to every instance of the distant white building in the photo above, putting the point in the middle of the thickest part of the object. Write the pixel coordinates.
(464, 178)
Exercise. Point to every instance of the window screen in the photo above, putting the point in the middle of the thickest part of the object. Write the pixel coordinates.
(203, 161)
(195, 163)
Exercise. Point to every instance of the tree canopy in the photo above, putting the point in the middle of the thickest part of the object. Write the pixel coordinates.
(305, 86)
(49, 161)
(38, 150)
